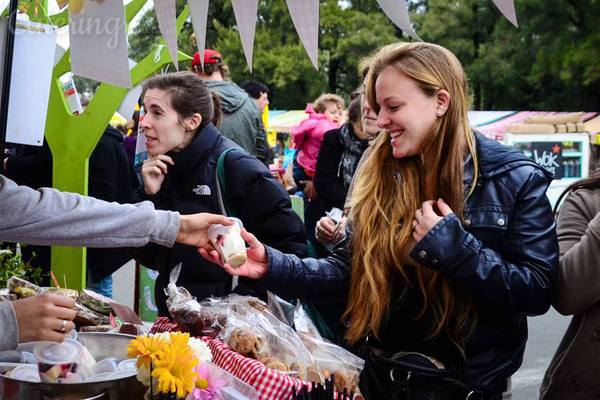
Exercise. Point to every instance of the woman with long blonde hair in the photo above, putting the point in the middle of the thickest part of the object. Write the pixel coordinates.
(451, 241)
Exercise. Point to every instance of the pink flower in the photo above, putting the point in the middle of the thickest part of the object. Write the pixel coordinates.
(207, 386)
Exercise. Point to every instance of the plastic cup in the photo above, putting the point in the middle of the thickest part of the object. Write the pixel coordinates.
(27, 373)
(121, 374)
(228, 241)
(107, 365)
(103, 376)
(59, 362)
(128, 365)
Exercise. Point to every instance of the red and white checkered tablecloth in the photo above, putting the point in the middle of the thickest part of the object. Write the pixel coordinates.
(269, 383)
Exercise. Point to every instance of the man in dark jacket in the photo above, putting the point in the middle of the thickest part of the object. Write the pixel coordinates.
(241, 120)
(111, 179)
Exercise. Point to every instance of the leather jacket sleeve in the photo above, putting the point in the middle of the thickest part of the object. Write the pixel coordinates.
(309, 279)
(517, 275)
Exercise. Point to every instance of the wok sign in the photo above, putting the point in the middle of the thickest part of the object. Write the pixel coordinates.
(549, 156)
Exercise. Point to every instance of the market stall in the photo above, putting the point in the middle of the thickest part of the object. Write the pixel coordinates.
(237, 347)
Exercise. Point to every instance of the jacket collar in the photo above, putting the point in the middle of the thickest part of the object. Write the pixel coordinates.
(495, 158)
(197, 151)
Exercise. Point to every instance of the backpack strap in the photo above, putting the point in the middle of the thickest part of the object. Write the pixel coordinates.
(221, 182)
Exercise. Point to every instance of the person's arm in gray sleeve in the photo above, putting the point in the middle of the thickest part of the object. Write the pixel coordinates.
(9, 331)
(48, 216)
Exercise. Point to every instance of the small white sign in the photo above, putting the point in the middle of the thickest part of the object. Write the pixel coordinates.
(99, 43)
(30, 80)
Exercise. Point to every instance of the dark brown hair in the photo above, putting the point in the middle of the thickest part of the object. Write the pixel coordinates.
(189, 94)
(354, 110)
(217, 102)
(209, 69)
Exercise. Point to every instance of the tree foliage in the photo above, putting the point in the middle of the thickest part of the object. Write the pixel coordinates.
(549, 63)
(280, 61)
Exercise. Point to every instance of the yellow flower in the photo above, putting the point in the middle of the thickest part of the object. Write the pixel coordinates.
(180, 339)
(174, 369)
(146, 349)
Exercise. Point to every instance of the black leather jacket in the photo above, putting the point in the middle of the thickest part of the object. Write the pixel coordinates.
(504, 253)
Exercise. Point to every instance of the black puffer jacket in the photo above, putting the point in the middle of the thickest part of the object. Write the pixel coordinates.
(189, 187)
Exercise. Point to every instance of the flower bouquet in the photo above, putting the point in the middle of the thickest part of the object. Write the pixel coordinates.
(175, 366)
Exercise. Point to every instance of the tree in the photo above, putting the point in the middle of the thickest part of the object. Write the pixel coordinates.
(280, 60)
(548, 63)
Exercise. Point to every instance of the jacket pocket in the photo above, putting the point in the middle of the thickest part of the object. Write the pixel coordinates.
(491, 218)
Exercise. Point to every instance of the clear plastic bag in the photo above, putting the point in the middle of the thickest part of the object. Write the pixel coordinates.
(231, 388)
(260, 335)
(176, 294)
(205, 318)
(329, 359)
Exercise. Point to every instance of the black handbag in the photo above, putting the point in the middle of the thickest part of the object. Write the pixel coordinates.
(410, 376)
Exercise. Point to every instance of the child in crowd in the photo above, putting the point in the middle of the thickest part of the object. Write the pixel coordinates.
(325, 114)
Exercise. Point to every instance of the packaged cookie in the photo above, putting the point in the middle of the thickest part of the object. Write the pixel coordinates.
(22, 288)
(95, 301)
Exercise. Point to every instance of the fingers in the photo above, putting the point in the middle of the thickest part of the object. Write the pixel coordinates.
(249, 238)
(427, 207)
(165, 158)
(217, 219)
(56, 325)
(53, 336)
(157, 165)
(61, 301)
(63, 313)
(211, 255)
(214, 257)
(419, 215)
(231, 270)
(327, 224)
(444, 207)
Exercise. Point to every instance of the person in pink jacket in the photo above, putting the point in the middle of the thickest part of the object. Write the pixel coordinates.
(325, 114)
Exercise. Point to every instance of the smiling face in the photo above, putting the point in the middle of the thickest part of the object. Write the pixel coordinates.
(161, 124)
(406, 111)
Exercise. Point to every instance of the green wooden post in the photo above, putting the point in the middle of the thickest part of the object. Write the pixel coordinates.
(73, 138)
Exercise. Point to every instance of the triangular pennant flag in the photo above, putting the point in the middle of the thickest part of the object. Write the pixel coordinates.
(397, 11)
(100, 54)
(305, 16)
(167, 23)
(199, 13)
(245, 16)
(507, 8)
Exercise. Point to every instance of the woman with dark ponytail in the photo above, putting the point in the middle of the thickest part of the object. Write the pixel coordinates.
(184, 147)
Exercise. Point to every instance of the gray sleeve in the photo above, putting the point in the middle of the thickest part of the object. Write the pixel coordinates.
(50, 217)
(578, 228)
(9, 330)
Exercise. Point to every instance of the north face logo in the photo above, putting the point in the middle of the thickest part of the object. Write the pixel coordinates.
(202, 190)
